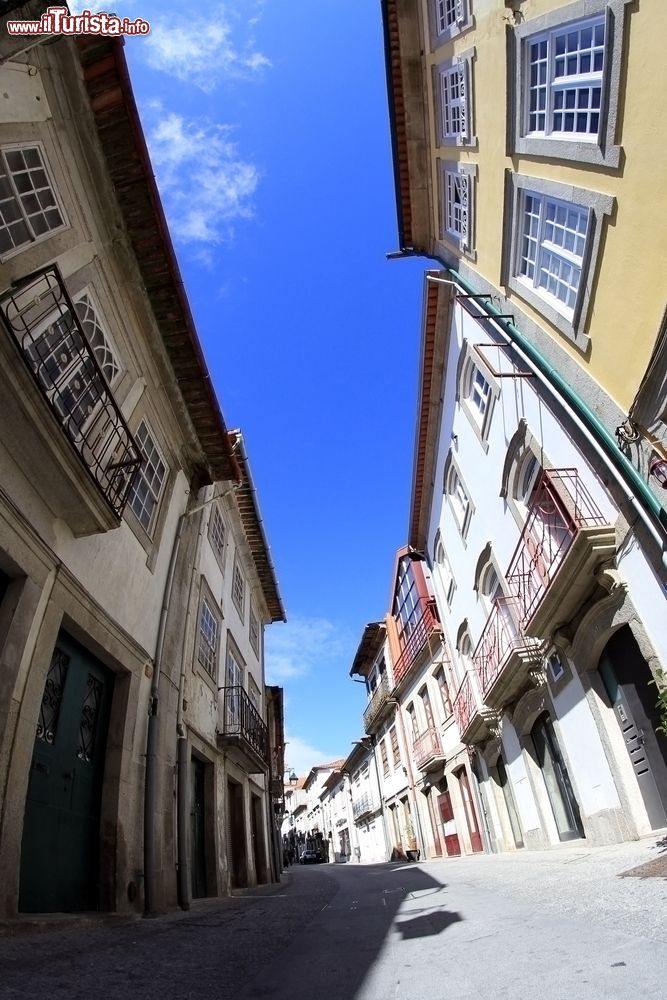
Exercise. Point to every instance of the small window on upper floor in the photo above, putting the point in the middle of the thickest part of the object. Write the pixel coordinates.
(449, 18)
(459, 500)
(477, 392)
(238, 590)
(567, 74)
(149, 481)
(444, 569)
(253, 630)
(217, 535)
(208, 637)
(454, 101)
(457, 199)
(29, 207)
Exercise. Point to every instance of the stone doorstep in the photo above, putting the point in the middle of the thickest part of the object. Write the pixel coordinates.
(39, 923)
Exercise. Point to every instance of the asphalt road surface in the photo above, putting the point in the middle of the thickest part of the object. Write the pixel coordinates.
(561, 926)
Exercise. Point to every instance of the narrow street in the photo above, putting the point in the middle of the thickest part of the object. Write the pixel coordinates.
(558, 924)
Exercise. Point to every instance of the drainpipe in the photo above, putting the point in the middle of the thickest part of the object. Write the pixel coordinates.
(636, 490)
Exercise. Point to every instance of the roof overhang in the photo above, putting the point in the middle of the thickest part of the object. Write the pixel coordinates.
(371, 643)
(408, 121)
(436, 321)
(127, 160)
(246, 500)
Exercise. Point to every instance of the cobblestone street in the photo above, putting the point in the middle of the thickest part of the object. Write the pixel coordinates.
(550, 924)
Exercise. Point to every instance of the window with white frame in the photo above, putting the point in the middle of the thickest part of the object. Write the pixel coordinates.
(238, 589)
(234, 685)
(207, 645)
(29, 209)
(448, 19)
(566, 82)
(459, 500)
(253, 630)
(217, 535)
(453, 82)
(444, 568)
(457, 214)
(552, 248)
(150, 479)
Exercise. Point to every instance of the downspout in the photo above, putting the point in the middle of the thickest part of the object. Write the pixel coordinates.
(640, 496)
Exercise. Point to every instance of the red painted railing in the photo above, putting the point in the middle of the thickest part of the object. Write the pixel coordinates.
(467, 701)
(501, 635)
(427, 746)
(561, 507)
(422, 629)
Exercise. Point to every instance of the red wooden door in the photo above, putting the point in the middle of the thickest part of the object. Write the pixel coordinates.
(452, 845)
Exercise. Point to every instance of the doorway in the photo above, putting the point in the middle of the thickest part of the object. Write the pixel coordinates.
(563, 803)
(627, 680)
(237, 859)
(510, 805)
(198, 828)
(469, 810)
(452, 843)
(258, 848)
(61, 827)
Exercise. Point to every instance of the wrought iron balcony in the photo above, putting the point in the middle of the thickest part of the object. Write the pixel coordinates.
(427, 749)
(503, 650)
(365, 805)
(242, 731)
(564, 540)
(66, 369)
(379, 702)
(425, 626)
(469, 710)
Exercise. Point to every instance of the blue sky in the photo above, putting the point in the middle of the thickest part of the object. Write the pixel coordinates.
(268, 129)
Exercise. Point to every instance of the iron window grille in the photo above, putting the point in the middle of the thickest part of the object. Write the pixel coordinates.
(72, 375)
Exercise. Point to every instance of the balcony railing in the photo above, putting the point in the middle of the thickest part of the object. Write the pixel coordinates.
(468, 706)
(560, 509)
(501, 636)
(427, 748)
(44, 324)
(377, 702)
(241, 721)
(364, 806)
(421, 631)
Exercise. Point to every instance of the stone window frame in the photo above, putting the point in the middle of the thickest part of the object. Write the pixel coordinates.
(461, 63)
(467, 173)
(599, 206)
(452, 469)
(11, 147)
(463, 22)
(207, 599)
(238, 588)
(470, 361)
(253, 619)
(603, 152)
(219, 553)
(439, 563)
(523, 445)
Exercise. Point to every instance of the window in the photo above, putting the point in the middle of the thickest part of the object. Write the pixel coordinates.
(459, 501)
(457, 214)
(407, 606)
(444, 569)
(149, 480)
(238, 589)
(253, 630)
(217, 534)
(414, 728)
(448, 19)
(207, 647)
(395, 752)
(566, 82)
(453, 90)
(385, 759)
(550, 257)
(443, 687)
(233, 680)
(29, 210)
(426, 702)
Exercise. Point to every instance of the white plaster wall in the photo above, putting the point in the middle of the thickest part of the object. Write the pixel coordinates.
(589, 767)
(516, 769)
(649, 597)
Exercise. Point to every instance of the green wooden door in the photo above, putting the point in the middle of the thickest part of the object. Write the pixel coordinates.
(60, 849)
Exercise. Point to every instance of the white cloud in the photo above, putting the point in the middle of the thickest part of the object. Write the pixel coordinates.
(294, 648)
(301, 755)
(204, 49)
(203, 180)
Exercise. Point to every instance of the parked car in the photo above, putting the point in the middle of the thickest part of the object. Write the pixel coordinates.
(310, 857)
